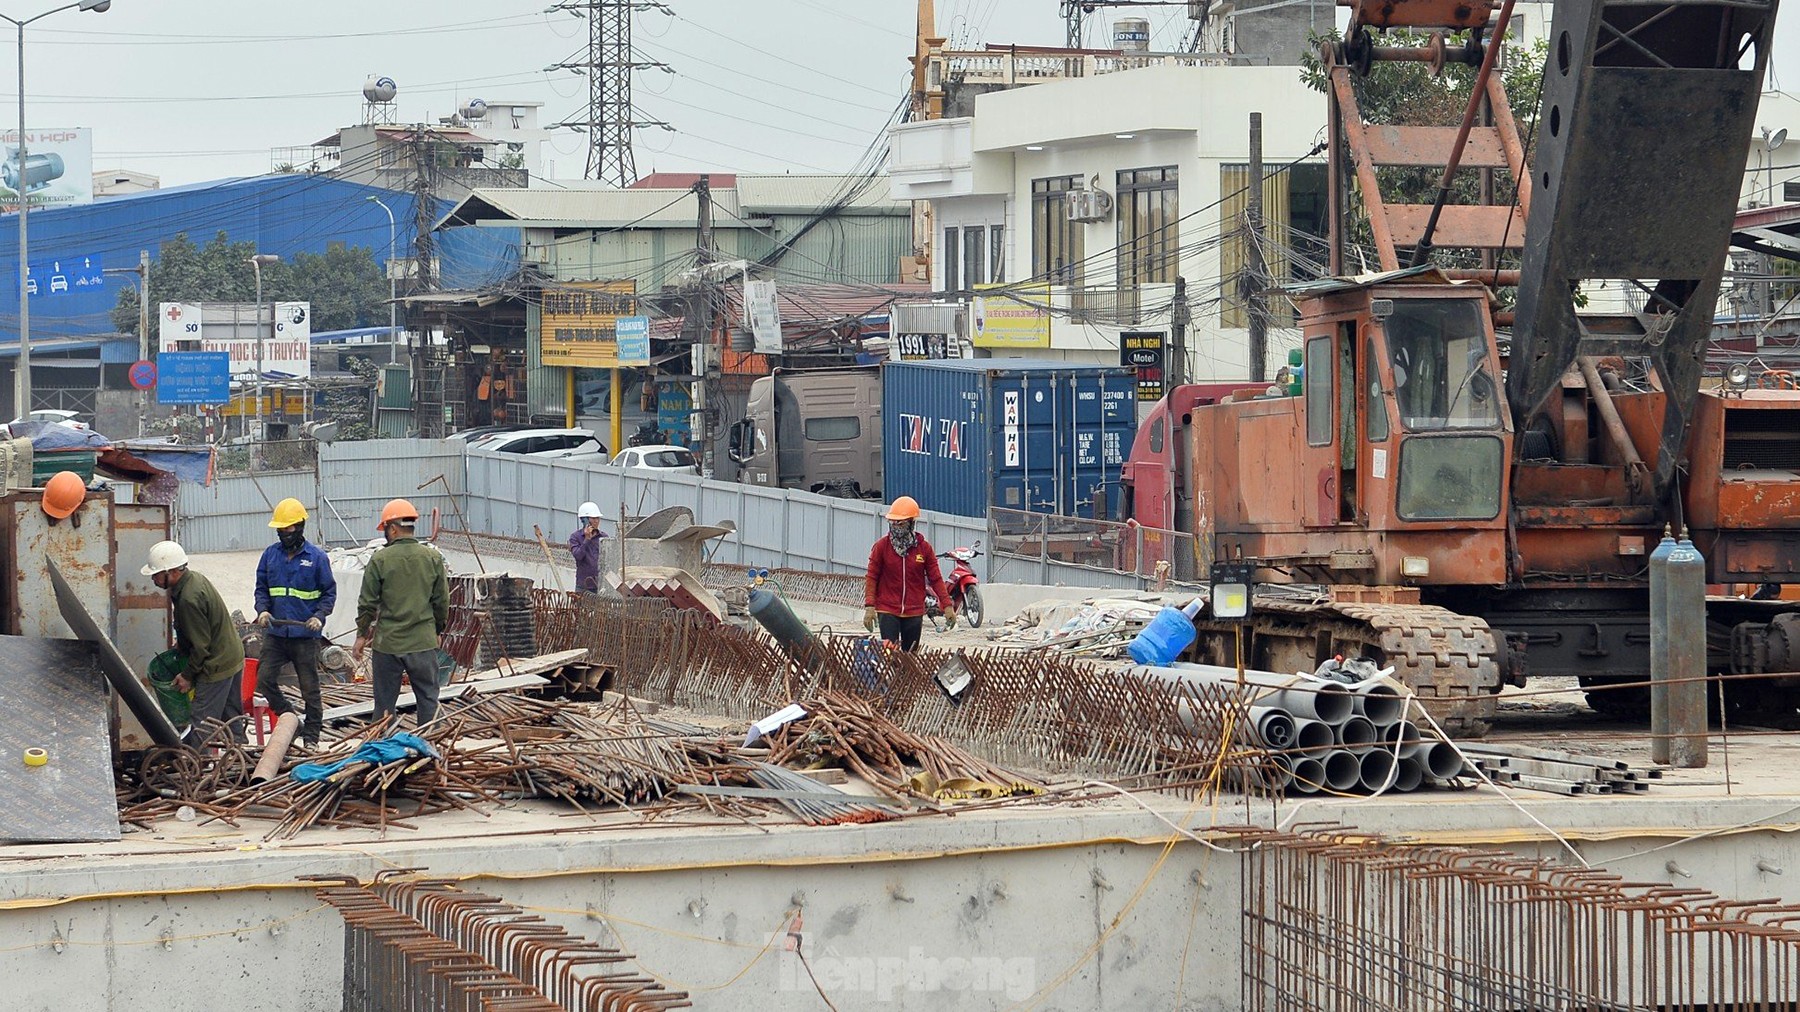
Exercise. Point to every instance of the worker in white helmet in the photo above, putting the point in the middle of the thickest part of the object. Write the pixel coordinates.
(205, 637)
(584, 544)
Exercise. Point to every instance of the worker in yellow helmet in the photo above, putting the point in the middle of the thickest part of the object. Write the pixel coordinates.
(902, 569)
(295, 593)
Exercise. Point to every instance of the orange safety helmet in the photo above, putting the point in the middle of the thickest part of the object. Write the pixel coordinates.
(904, 508)
(63, 494)
(397, 509)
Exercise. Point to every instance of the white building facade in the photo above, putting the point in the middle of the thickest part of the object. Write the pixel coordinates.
(1154, 165)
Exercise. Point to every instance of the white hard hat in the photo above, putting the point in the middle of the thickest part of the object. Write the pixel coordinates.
(588, 509)
(164, 556)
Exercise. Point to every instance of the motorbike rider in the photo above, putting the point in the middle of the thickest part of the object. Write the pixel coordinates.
(903, 568)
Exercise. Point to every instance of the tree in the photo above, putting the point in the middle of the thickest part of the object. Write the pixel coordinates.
(1408, 94)
(344, 284)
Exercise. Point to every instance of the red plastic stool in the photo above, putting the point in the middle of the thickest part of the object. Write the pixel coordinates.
(262, 719)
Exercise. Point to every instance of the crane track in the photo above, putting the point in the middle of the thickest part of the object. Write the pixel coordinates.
(1452, 661)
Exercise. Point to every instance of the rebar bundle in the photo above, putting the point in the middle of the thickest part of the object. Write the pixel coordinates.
(1338, 920)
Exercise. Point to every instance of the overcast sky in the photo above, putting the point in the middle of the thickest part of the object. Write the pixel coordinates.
(199, 89)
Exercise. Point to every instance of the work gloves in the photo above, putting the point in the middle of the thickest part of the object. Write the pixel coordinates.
(314, 625)
(949, 617)
(264, 618)
(869, 619)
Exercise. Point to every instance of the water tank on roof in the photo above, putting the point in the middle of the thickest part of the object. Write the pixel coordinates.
(380, 89)
(474, 109)
(1132, 35)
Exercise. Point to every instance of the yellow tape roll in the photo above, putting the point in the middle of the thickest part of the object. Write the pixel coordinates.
(36, 757)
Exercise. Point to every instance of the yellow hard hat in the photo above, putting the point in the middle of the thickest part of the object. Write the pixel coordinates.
(288, 512)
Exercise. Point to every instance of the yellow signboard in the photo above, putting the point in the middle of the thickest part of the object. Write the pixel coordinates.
(1020, 318)
(578, 322)
(292, 403)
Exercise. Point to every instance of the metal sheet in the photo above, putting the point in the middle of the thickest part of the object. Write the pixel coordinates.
(118, 671)
(140, 619)
(52, 697)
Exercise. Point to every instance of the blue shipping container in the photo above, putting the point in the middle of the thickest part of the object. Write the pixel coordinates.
(963, 436)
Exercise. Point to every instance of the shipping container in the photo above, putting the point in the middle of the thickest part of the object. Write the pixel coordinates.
(965, 436)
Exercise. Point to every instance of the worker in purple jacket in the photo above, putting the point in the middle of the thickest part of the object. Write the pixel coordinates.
(584, 544)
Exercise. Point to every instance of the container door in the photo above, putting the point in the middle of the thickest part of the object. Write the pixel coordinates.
(1027, 471)
(1105, 413)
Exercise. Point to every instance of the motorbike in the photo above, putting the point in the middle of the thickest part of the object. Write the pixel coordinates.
(964, 587)
(647, 435)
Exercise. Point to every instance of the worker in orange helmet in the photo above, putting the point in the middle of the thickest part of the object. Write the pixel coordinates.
(903, 568)
(403, 610)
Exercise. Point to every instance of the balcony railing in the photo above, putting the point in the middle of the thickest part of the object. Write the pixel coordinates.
(1005, 67)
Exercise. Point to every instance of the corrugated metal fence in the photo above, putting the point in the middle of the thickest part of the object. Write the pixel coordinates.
(507, 495)
(345, 494)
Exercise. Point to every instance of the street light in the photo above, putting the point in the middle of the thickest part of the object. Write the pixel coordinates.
(22, 375)
(258, 262)
(393, 330)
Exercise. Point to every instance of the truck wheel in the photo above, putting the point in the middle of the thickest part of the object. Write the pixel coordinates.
(972, 607)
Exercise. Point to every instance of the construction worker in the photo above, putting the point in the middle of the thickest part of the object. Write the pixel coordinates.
(206, 637)
(295, 592)
(584, 544)
(902, 568)
(403, 609)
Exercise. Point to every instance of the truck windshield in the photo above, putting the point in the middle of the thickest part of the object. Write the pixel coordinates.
(1439, 349)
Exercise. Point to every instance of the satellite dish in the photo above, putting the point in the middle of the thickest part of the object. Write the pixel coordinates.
(380, 89)
(474, 109)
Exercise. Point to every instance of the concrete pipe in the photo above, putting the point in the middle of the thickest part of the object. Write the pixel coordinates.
(1408, 776)
(1274, 726)
(1313, 736)
(1380, 704)
(1401, 733)
(1439, 759)
(1377, 769)
(1343, 771)
(1299, 695)
(1308, 775)
(1278, 773)
(1357, 734)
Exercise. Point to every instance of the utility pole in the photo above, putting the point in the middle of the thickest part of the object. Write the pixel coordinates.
(608, 62)
(1180, 315)
(428, 379)
(142, 270)
(1256, 272)
(698, 324)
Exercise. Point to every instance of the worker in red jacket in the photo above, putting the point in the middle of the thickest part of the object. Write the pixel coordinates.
(902, 568)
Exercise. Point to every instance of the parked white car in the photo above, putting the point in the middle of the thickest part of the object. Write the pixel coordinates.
(54, 416)
(559, 443)
(658, 458)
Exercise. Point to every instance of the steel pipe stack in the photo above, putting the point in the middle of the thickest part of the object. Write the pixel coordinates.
(1324, 735)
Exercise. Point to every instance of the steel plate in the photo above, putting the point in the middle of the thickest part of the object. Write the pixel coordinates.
(53, 697)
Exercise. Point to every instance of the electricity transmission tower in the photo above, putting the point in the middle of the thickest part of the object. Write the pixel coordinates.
(608, 62)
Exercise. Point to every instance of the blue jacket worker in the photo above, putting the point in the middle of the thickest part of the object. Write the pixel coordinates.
(295, 592)
(584, 544)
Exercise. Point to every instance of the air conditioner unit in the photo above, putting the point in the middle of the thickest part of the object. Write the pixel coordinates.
(1090, 205)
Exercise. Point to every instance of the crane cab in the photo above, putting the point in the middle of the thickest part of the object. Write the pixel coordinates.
(1400, 431)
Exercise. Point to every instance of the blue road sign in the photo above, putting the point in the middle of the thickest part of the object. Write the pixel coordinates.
(634, 340)
(193, 377)
(65, 275)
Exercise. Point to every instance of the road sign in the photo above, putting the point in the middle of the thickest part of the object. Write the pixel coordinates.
(65, 275)
(143, 374)
(193, 377)
(634, 340)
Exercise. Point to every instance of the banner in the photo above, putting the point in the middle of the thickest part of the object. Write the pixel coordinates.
(1018, 319)
(578, 323)
(58, 170)
(1143, 351)
(283, 343)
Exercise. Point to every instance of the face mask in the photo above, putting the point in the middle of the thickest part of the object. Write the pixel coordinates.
(291, 540)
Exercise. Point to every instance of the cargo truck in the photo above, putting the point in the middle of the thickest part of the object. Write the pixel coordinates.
(817, 430)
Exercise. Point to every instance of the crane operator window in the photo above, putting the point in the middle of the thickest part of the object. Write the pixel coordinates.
(1439, 349)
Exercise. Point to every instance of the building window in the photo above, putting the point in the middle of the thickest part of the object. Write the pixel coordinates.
(1056, 246)
(1295, 221)
(950, 255)
(1148, 231)
(1790, 193)
(997, 254)
(974, 256)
